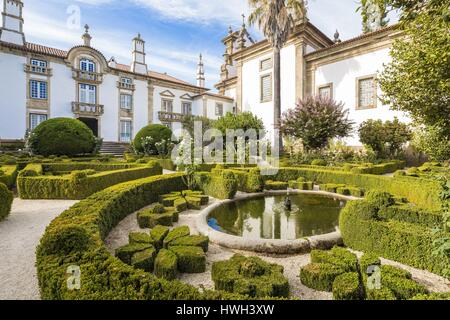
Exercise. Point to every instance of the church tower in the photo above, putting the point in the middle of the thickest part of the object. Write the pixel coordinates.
(138, 64)
(201, 73)
(12, 27)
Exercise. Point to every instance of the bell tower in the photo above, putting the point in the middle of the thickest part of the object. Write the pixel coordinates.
(12, 27)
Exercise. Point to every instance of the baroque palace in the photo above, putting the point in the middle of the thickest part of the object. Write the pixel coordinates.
(116, 100)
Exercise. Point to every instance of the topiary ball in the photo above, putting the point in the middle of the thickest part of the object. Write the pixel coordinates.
(62, 136)
(157, 132)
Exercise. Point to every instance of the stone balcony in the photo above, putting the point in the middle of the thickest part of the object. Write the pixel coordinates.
(87, 76)
(126, 86)
(87, 109)
(170, 116)
(37, 70)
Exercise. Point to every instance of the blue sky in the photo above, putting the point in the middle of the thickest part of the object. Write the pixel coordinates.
(176, 31)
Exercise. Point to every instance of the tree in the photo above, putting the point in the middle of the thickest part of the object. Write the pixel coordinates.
(276, 19)
(188, 123)
(374, 14)
(316, 120)
(417, 81)
(386, 139)
(431, 141)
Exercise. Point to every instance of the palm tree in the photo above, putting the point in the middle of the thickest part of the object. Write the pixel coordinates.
(276, 19)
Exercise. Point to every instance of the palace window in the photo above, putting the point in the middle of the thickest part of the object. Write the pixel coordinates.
(266, 88)
(126, 129)
(36, 119)
(38, 90)
(126, 81)
(186, 108)
(167, 105)
(87, 65)
(38, 66)
(88, 94)
(265, 64)
(219, 109)
(126, 101)
(326, 91)
(366, 93)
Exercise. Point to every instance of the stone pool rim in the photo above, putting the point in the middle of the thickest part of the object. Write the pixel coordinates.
(278, 246)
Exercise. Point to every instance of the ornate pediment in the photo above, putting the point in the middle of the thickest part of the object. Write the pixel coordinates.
(186, 96)
(167, 93)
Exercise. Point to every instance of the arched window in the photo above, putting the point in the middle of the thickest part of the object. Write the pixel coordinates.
(87, 65)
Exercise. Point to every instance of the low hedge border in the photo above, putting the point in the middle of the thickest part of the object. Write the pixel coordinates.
(8, 175)
(103, 276)
(6, 199)
(410, 243)
(78, 185)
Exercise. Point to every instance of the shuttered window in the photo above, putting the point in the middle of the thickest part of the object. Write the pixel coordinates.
(265, 64)
(125, 131)
(126, 101)
(88, 94)
(266, 88)
(366, 93)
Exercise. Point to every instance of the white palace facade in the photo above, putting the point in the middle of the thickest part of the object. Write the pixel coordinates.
(113, 99)
(116, 100)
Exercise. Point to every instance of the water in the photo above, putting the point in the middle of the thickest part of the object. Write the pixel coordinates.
(267, 218)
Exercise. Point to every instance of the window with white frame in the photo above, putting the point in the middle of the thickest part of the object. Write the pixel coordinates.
(266, 88)
(186, 108)
(265, 64)
(36, 119)
(325, 92)
(167, 105)
(126, 81)
(88, 93)
(38, 66)
(126, 129)
(367, 93)
(38, 90)
(126, 101)
(87, 65)
(219, 109)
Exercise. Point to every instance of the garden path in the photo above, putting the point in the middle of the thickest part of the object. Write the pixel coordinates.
(20, 233)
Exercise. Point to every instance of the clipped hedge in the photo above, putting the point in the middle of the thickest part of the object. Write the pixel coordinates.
(6, 199)
(422, 192)
(347, 287)
(166, 265)
(251, 276)
(105, 277)
(405, 242)
(8, 175)
(220, 186)
(190, 259)
(320, 276)
(31, 184)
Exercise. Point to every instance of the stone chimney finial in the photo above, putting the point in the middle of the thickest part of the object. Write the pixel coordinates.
(336, 37)
(86, 36)
(201, 73)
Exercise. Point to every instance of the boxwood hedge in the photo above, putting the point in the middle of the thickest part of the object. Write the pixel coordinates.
(102, 275)
(31, 184)
(6, 199)
(8, 175)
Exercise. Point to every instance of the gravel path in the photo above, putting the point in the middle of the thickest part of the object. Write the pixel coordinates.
(291, 263)
(20, 233)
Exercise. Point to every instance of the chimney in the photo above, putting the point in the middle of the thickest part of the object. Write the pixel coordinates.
(201, 73)
(112, 63)
(86, 36)
(138, 64)
(12, 27)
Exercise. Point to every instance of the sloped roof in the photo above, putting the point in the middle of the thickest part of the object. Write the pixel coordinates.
(154, 74)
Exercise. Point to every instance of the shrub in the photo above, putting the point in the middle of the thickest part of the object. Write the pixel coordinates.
(166, 265)
(6, 199)
(191, 241)
(301, 185)
(337, 256)
(148, 219)
(144, 260)
(411, 214)
(65, 239)
(217, 186)
(176, 233)
(316, 120)
(380, 199)
(157, 133)
(400, 241)
(319, 162)
(331, 187)
(8, 175)
(140, 237)
(368, 259)
(251, 276)
(402, 288)
(432, 141)
(190, 259)
(380, 294)
(62, 136)
(158, 234)
(386, 139)
(320, 276)
(432, 296)
(346, 287)
(126, 252)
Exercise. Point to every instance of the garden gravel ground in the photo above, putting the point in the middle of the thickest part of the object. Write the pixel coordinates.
(291, 263)
(20, 233)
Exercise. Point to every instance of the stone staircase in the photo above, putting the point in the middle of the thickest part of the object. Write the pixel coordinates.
(116, 149)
